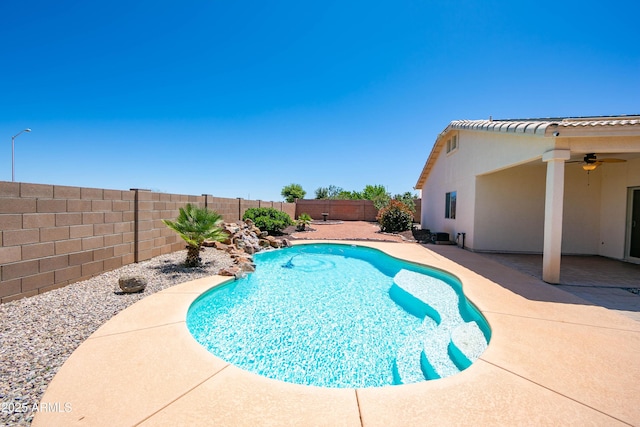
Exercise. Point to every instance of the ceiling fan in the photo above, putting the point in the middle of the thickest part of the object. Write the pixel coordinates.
(590, 161)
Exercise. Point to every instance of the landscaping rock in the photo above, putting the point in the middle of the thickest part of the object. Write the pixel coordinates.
(241, 259)
(265, 243)
(233, 270)
(247, 267)
(213, 244)
(131, 284)
(220, 246)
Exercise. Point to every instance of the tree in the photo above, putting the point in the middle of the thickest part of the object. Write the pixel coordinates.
(322, 193)
(377, 194)
(303, 220)
(348, 195)
(195, 225)
(292, 192)
(330, 192)
(408, 199)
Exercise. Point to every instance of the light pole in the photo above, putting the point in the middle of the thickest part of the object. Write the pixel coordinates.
(13, 153)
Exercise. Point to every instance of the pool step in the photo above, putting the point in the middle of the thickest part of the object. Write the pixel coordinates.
(435, 360)
(433, 292)
(407, 366)
(467, 344)
(451, 344)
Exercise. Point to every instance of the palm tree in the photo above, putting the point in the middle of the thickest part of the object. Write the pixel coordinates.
(304, 219)
(195, 225)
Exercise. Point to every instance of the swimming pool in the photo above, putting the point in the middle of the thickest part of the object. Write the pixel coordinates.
(341, 316)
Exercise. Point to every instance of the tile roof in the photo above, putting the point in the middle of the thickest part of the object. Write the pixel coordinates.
(544, 127)
(540, 126)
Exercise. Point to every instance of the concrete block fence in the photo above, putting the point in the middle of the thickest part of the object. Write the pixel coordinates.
(52, 235)
(344, 210)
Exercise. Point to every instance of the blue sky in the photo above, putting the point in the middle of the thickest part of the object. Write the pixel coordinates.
(238, 99)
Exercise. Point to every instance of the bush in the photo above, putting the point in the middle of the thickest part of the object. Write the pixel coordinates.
(408, 199)
(395, 217)
(304, 219)
(268, 219)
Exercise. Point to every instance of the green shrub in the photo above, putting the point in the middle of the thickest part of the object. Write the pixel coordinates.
(195, 225)
(395, 217)
(268, 219)
(304, 219)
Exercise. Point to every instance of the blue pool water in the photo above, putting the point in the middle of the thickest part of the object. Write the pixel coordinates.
(340, 316)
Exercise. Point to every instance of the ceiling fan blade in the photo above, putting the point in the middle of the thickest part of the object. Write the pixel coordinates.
(611, 160)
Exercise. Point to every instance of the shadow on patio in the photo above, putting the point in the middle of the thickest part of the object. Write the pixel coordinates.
(590, 280)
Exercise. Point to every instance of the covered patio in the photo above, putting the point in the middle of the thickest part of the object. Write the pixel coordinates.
(554, 186)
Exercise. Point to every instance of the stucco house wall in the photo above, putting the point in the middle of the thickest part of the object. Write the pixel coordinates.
(500, 178)
(510, 210)
(581, 215)
(478, 155)
(617, 179)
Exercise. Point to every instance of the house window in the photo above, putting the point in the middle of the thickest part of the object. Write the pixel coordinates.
(450, 205)
(452, 144)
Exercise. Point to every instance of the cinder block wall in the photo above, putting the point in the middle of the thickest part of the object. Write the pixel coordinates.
(343, 210)
(52, 236)
(234, 209)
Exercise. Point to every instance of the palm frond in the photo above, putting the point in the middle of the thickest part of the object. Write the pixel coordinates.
(195, 225)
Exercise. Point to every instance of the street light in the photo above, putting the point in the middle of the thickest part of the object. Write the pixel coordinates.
(13, 154)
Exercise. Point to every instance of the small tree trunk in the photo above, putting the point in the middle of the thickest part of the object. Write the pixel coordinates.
(193, 256)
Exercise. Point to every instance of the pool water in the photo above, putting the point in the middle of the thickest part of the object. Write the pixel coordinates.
(340, 316)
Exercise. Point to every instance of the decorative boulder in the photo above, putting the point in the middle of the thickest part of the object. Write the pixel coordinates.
(247, 267)
(214, 244)
(220, 246)
(131, 284)
(229, 271)
(264, 243)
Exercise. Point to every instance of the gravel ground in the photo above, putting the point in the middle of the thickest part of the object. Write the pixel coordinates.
(351, 230)
(39, 333)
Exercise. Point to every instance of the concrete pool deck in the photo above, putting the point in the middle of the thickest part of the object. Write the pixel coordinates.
(553, 359)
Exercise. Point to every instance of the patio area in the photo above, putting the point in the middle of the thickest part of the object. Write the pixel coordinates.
(598, 280)
(554, 359)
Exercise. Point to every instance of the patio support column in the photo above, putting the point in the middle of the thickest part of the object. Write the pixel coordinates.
(553, 206)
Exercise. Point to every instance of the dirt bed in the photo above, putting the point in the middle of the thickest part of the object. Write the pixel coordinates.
(346, 230)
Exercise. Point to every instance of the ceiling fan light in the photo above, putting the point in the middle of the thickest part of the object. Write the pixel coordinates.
(589, 167)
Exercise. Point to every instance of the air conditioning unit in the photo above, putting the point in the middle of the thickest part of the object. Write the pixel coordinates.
(442, 237)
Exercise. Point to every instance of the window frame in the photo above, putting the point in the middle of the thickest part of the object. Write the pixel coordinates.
(452, 144)
(450, 203)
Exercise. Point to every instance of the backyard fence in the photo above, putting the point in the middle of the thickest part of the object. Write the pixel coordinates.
(52, 236)
(344, 210)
